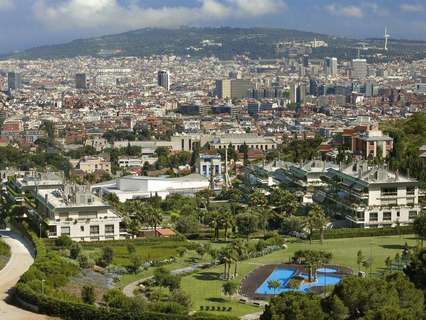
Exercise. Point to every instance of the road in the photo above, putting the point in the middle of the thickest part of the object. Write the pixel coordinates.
(21, 259)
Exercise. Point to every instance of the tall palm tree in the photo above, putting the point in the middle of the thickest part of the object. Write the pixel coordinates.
(227, 221)
(239, 248)
(316, 220)
(153, 217)
(225, 257)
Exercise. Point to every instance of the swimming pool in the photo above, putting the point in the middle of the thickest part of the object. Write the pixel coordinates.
(285, 274)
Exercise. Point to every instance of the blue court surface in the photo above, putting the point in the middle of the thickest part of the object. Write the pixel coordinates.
(285, 274)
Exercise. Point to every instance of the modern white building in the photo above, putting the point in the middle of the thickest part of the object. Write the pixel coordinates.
(140, 187)
(371, 196)
(75, 212)
(208, 164)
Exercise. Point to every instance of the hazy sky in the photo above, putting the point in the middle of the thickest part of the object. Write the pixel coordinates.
(28, 23)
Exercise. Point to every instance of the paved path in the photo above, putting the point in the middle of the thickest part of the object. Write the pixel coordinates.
(252, 316)
(21, 259)
(131, 287)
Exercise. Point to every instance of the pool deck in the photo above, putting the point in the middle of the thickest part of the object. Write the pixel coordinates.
(254, 280)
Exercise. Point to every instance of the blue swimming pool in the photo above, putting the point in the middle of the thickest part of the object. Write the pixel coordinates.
(285, 274)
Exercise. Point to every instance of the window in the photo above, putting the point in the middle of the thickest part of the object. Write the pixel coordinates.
(109, 228)
(389, 191)
(360, 215)
(387, 216)
(65, 231)
(398, 214)
(411, 191)
(412, 214)
(374, 216)
(82, 228)
(94, 229)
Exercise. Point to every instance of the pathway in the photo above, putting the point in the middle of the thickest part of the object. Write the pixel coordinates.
(20, 260)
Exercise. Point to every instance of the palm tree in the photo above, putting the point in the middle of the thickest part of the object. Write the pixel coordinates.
(316, 220)
(227, 221)
(238, 248)
(230, 288)
(274, 285)
(153, 217)
(225, 257)
(215, 219)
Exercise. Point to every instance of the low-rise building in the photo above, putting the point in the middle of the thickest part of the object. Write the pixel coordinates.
(140, 187)
(91, 164)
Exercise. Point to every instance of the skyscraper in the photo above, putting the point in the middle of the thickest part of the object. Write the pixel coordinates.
(14, 81)
(81, 81)
(359, 69)
(164, 79)
(330, 67)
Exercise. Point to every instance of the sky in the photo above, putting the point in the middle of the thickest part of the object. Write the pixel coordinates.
(29, 23)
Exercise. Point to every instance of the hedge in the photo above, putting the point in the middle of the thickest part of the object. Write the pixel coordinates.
(70, 310)
(362, 232)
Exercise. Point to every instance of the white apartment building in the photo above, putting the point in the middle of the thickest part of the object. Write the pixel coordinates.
(372, 196)
(75, 212)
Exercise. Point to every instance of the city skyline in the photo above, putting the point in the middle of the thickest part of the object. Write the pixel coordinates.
(29, 23)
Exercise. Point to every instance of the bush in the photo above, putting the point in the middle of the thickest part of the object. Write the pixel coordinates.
(75, 250)
(63, 241)
(88, 294)
(358, 232)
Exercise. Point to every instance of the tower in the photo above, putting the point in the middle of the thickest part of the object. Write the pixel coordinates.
(14, 81)
(81, 81)
(164, 79)
(387, 36)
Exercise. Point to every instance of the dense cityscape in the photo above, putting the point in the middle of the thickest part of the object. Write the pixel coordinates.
(190, 186)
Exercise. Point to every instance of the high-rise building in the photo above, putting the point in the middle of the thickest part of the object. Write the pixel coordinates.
(330, 67)
(233, 89)
(164, 79)
(14, 81)
(297, 93)
(223, 89)
(81, 81)
(359, 69)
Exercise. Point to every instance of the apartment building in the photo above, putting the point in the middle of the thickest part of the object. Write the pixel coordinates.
(371, 196)
(73, 211)
(91, 164)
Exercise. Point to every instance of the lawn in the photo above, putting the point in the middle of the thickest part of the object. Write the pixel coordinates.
(205, 287)
(152, 249)
(4, 254)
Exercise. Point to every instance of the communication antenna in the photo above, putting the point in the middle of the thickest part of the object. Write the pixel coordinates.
(387, 36)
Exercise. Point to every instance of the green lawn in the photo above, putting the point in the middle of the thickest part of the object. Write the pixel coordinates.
(152, 249)
(205, 287)
(4, 254)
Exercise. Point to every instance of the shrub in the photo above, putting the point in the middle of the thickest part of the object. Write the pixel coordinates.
(88, 294)
(63, 241)
(358, 232)
(75, 250)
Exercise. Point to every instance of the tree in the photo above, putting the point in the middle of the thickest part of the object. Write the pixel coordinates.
(187, 224)
(294, 306)
(214, 219)
(292, 224)
(420, 227)
(238, 248)
(75, 250)
(247, 223)
(135, 263)
(181, 251)
(131, 249)
(258, 199)
(225, 257)
(227, 220)
(230, 288)
(316, 220)
(180, 297)
(312, 259)
(388, 263)
(359, 259)
(416, 269)
(274, 285)
(285, 203)
(107, 256)
(88, 294)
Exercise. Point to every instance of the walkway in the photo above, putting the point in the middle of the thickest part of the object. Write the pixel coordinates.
(20, 260)
(131, 287)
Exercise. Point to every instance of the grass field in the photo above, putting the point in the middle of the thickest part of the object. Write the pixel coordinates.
(205, 287)
(153, 249)
(4, 254)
